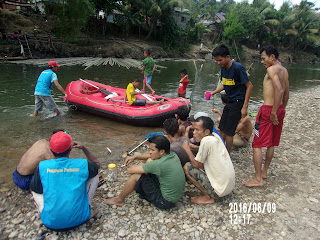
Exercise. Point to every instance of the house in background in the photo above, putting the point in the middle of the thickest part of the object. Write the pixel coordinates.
(40, 4)
(220, 17)
(182, 16)
(210, 21)
(17, 5)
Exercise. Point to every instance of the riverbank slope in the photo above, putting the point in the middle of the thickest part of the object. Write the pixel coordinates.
(291, 196)
(36, 44)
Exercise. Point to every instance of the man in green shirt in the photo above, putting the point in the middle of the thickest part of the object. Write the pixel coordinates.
(160, 180)
(147, 70)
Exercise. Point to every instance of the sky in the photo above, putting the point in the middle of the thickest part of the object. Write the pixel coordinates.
(278, 3)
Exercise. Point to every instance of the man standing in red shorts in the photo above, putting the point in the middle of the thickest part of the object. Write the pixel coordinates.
(269, 120)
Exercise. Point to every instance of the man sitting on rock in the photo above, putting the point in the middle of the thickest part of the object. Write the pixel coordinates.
(63, 187)
(182, 117)
(38, 152)
(211, 171)
(159, 180)
(171, 130)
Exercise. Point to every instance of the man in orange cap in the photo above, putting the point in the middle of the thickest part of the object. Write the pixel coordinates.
(63, 187)
(42, 91)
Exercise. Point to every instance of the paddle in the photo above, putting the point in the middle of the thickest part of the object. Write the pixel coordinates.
(104, 91)
(150, 135)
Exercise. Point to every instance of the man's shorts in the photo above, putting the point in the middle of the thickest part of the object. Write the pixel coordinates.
(47, 100)
(148, 188)
(22, 181)
(201, 177)
(265, 133)
(139, 102)
(147, 79)
(230, 117)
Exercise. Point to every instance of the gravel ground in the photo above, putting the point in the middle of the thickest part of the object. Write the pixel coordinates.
(287, 207)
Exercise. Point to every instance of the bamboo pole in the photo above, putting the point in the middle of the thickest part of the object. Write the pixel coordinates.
(25, 37)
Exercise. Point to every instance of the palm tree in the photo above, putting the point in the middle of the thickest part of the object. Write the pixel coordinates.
(155, 9)
(301, 27)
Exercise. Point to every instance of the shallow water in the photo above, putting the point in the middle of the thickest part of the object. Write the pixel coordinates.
(19, 130)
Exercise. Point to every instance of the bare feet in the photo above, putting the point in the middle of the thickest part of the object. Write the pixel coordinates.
(264, 173)
(162, 101)
(153, 92)
(253, 183)
(202, 200)
(114, 201)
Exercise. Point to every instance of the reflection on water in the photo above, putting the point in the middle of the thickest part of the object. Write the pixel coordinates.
(19, 130)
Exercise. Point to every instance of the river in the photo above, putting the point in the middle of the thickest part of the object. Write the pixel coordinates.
(19, 130)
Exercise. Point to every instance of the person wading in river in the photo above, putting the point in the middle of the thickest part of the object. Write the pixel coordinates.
(42, 91)
(269, 120)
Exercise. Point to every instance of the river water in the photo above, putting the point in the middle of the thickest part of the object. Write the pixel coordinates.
(19, 130)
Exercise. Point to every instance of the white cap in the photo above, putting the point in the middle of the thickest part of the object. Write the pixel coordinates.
(200, 114)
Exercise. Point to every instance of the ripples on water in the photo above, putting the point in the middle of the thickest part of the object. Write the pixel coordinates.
(19, 130)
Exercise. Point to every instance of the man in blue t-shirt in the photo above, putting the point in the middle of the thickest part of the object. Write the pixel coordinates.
(42, 92)
(62, 187)
(238, 88)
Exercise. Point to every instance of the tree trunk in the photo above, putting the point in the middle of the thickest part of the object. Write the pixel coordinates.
(147, 22)
(153, 26)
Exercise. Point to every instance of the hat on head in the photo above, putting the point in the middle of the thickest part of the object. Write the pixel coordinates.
(53, 64)
(60, 142)
(197, 115)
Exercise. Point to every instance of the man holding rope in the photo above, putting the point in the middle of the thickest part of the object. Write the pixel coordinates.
(238, 88)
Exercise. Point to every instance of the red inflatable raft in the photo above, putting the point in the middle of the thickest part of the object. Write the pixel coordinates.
(84, 97)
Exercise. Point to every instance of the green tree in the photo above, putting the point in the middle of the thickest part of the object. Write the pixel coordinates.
(301, 27)
(249, 18)
(170, 33)
(70, 17)
(155, 9)
(233, 29)
(129, 20)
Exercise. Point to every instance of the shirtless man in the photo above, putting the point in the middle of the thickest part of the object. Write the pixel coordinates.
(269, 120)
(38, 152)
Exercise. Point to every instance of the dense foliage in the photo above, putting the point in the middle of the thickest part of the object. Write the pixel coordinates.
(290, 27)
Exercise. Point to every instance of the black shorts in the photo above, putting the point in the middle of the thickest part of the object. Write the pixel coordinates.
(230, 117)
(148, 188)
(139, 102)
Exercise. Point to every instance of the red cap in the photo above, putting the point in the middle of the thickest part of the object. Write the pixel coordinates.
(60, 142)
(53, 64)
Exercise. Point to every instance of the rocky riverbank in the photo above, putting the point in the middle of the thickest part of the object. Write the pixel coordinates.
(289, 200)
(128, 48)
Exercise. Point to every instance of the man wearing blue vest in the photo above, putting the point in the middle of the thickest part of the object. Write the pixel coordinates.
(63, 188)
(42, 90)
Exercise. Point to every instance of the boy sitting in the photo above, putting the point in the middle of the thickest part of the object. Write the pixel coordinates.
(131, 95)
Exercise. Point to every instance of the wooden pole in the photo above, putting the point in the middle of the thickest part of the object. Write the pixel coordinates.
(25, 37)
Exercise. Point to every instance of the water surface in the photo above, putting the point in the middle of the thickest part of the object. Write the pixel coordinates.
(19, 130)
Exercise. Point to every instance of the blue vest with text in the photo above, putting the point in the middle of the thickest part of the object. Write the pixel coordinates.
(44, 83)
(65, 194)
